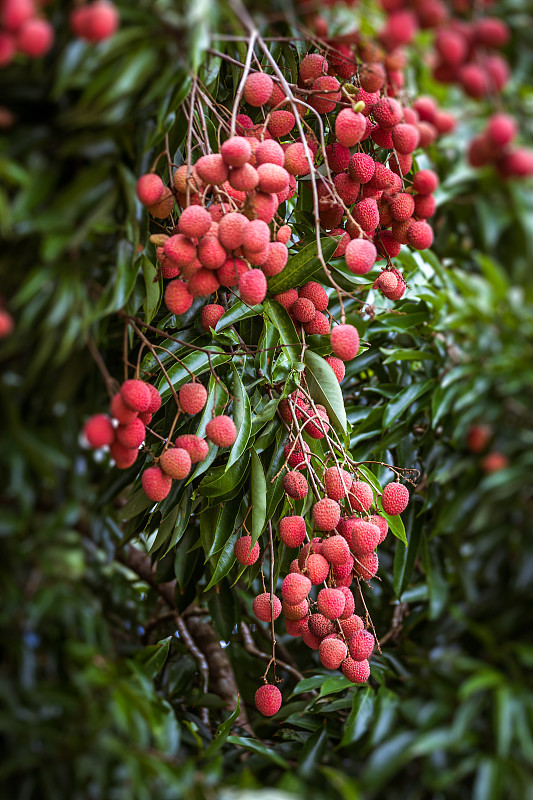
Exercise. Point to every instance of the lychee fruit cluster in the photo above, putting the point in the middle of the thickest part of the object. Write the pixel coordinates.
(495, 146)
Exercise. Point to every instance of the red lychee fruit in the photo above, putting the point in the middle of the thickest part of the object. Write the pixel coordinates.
(193, 397)
(361, 496)
(314, 292)
(212, 169)
(176, 462)
(303, 310)
(474, 80)
(120, 411)
(178, 299)
(155, 399)
(491, 32)
(337, 156)
(15, 13)
(347, 188)
(452, 46)
(336, 550)
(96, 21)
(295, 627)
(425, 206)
(281, 123)
(494, 462)
(478, 437)
(180, 249)
(361, 645)
(517, 163)
(318, 326)
(295, 160)
(318, 426)
(361, 167)
(150, 189)
(325, 101)
(156, 484)
(366, 214)
(269, 152)
(197, 448)
(326, 514)
(236, 151)
(221, 431)
(257, 89)
(349, 605)
(316, 567)
(360, 256)
(231, 230)
(312, 66)
(296, 457)
(123, 457)
(131, 435)
(253, 287)
(244, 552)
(300, 403)
(382, 137)
(272, 178)
(287, 298)
(350, 127)
(256, 236)
(364, 537)
(331, 603)
(277, 258)
(210, 315)
(400, 28)
(292, 531)
(351, 624)
(366, 566)
(405, 138)
(203, 283)
(295, 485)
(35, 38)
(295, 588)
(263, 609)
(332, 653)
(501, 130)
(231, 271)
(337, 482)
(382, 524)
(284, 234)
(136, 395)
(320, 626)
(243, 178)
(99, 431)
(268, 700)
(355, 671)
(420, 235)
(425, 181)
(345, 342)
(337, 366)
(8, 48)
(395, 498)
(387, 112)
(297, 612)
(372, 77)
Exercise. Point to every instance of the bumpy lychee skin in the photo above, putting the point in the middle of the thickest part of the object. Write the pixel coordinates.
(361, 645)
(257, 89)
(350, 127)
(295, 627)
(318, 326)
(337, 482)
(253, 287)
(382, 524)
(277, 258)
(405, 138)
(295, 160)
(345, 342)
(123, 457)
(361, 167)
(387, 112)
(318, 426)
(425, 206)
(193, 397)
(361, 496)
(402, 206)
(236, 151)
(327, 102)
(176, 462)
(326, 514)
(244, 552)
(284, 234)
(366, 214)
(296, 457)
(336, 550)
(178, 299)
(314, 292)
(308, 638)
(425, 181)
(332, 653)
(131, 435)
(150, 189)
(99, 431)
(136, 395)
(295, 588)
(180, 249)
(197, 448)
(231, 230)
(337, 366)
(221, 431)
(386, 281)
(195, 221)
(366, 566)
(395, 498)
(263, 609)
(360, 256)
(355, 671)
(292, 530)
(320, 626)
(349, 604)
(269, 152)
(295, 485)
(303, 310)
(120, 411)
(372, 77)
(299, 611)
(316, 567)
(212, 169)
(351, 624)
(256, 236)
(231, 271)
(272, 178)
(331, 603)
(268, 700)
(364, 537)
(420, 235)
(163, 207)
(210, 315)
(203, 283)
(156, 484)
(312, 66)
(244, 178)
(281, 123)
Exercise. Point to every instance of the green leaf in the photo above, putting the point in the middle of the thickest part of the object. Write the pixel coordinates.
(308, 684)
(197, 362)
(236, 313)
(279, 316)
(242, 417)
(222, 732)
(406, 355)
(220, 482)
(313, 752)
(153, 658)
(153, 289)
(303, 266)
(223, 563)
(396, 407)
(333, 685)
(324, 387)
(360, 716)
(258, 490)
(255, 746)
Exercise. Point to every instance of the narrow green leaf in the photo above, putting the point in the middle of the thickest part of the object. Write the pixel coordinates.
(242, 417)
(303, 266)
(220, 482)
(279, 316)
(152, 658)
(324, 387)
(197, 362)
(313, 752)
(224, 561)
(255, 746)
(360, 716)
(236, 313)
(222, 732)
(153, 289)
(396, 407)
(258, 489)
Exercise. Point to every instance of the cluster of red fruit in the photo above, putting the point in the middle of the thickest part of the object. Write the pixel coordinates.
(478, 439)
(24, 30)
(494, 146)
(344, 548)
(124, 431)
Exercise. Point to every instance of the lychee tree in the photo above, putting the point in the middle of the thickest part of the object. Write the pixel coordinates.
(282, 378)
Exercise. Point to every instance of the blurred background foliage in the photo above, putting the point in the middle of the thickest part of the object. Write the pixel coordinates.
(100, 697)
